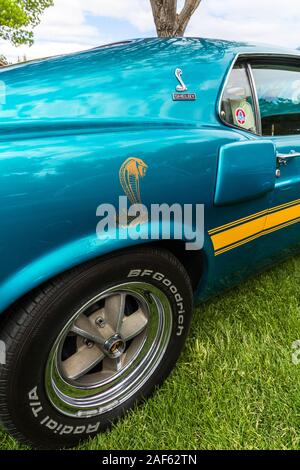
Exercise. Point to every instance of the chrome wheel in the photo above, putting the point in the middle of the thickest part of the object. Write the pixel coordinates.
(108, 349)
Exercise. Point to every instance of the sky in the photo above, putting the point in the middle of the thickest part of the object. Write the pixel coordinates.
(74, 25)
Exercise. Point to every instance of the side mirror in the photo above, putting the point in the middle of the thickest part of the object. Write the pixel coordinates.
(246, 170)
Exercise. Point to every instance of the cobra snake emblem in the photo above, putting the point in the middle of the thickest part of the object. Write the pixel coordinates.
(132, 170)
(182, 86)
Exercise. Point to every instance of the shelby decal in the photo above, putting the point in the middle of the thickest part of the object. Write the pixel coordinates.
(54, 426)
(184, 96)
(240, 116)
(178, 298)
(132, 170)
(181, 88)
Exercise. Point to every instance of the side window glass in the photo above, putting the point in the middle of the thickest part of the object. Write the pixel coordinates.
(237, 108)
(278, 89)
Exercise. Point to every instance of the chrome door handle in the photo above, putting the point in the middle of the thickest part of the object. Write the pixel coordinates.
(283, 158)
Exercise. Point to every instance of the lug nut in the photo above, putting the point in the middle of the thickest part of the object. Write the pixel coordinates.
(100, 322)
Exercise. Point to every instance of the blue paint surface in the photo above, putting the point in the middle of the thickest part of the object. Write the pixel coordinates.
(68, 125)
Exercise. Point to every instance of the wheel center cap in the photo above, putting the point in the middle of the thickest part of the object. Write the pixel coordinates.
(114, 346)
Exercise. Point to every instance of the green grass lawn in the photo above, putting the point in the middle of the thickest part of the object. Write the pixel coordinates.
(235, 386)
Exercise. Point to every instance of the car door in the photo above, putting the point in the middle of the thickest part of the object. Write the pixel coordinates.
(277, 84)
(245, 179)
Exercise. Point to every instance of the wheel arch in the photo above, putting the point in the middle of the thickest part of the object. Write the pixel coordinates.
(60, 261)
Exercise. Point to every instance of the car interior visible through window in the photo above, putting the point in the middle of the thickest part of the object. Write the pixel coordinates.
(237, 108)
(278, 90)
(263, 97)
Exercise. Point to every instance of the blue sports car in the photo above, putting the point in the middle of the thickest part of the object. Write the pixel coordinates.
(96, 296)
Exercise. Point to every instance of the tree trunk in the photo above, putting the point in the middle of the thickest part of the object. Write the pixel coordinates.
(168, 22)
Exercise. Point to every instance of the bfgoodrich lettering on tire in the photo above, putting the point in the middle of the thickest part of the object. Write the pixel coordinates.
(88, 345)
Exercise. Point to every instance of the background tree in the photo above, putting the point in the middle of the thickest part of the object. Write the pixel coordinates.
(3, 60)
(19, 17)
(168, 21)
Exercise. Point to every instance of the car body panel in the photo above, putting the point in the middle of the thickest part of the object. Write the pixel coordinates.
(281, 227)
(55, 194)
(68, 124)
(252, 164)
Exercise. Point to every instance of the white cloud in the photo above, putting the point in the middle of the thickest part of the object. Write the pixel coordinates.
(137, 12)
(67, 27)
(268, 21)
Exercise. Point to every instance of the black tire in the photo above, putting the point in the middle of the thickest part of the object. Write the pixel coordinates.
(31, 327)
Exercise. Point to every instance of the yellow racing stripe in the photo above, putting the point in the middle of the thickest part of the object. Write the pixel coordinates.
(252, 216)
(241, 231)
(282, 216)
(265, 232)
(235, 234)
(237, 222)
